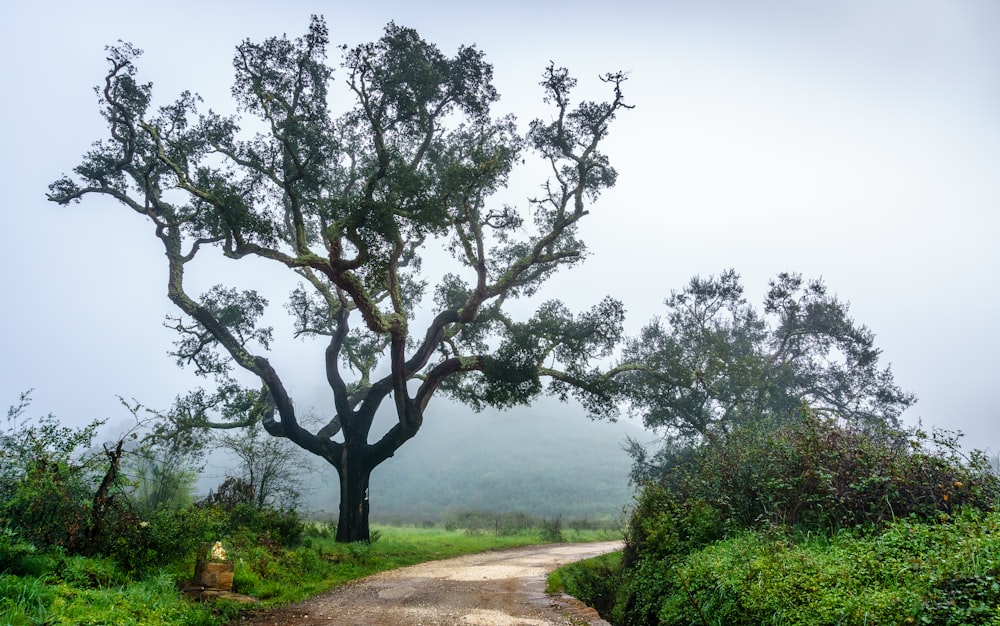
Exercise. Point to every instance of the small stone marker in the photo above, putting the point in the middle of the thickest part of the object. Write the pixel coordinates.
(213, 576)
(212, 570)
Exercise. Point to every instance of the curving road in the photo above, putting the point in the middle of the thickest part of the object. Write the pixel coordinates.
(505, 588)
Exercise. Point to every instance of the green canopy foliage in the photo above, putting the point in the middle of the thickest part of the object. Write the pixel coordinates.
(349, 203)
(713, 362)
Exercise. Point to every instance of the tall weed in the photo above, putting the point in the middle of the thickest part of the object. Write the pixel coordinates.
(24, 600)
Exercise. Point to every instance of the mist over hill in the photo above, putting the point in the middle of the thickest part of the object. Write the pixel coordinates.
(544, 460)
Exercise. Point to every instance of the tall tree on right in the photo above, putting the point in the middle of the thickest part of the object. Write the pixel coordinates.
(714, 362)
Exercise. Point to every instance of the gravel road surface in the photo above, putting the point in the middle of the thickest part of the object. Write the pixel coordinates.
(504, 588)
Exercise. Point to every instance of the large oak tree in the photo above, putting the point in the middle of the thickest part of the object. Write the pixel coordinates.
(349, 203)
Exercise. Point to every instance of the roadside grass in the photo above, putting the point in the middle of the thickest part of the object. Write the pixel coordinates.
(31, 600)
(78, 590)
(593, 581)
(945, 571)
(322, 564)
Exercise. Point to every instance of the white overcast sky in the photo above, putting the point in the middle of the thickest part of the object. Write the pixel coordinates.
(857, 141)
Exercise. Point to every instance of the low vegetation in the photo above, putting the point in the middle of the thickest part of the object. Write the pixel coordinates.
(813, 522)
(55, 490)
(51, 587)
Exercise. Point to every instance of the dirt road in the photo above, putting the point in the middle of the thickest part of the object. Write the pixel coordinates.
(505, 588)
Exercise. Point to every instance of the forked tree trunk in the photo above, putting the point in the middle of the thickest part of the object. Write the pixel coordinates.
(357, 460)
(354, 474)
(103, 499)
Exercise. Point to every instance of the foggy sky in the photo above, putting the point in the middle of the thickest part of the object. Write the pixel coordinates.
(854, 141)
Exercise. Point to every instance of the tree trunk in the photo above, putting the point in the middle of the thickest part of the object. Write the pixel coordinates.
(103, 500)
(354, 474)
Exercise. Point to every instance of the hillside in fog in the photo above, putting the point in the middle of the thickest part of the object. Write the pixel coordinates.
(544, 460)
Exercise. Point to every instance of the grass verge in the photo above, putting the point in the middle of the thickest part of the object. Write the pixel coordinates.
(930, 573)
(77, 590)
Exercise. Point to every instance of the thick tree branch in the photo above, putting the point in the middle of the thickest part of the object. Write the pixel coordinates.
(333, 377)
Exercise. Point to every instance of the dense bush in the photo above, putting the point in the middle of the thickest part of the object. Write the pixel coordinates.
(59, 497)
(593, 581)
(700, 536)
(20, 557)
(910, 572)
(814, 474)
(164, 536)
(282, 527)
(236, 500)
(47, 478)
(144, 542)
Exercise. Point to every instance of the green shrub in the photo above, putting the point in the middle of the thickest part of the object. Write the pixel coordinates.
(235, 497)
(552, 530)
(361, 552)
(306, 561)
(319, 530)
(911, 572)
(817, 473)
(22, 558)
(89, 573)
(283, 526)
(48, 504)
(663, 527)
(46, 483)
(141, 544)
(689, 555)
(593, 581)
(245, 577)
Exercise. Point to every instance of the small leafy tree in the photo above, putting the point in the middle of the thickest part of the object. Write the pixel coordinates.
(349, 204)
(57, 491)
(49, 477)
(161, 477)
(714, 362)
(272, 467)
